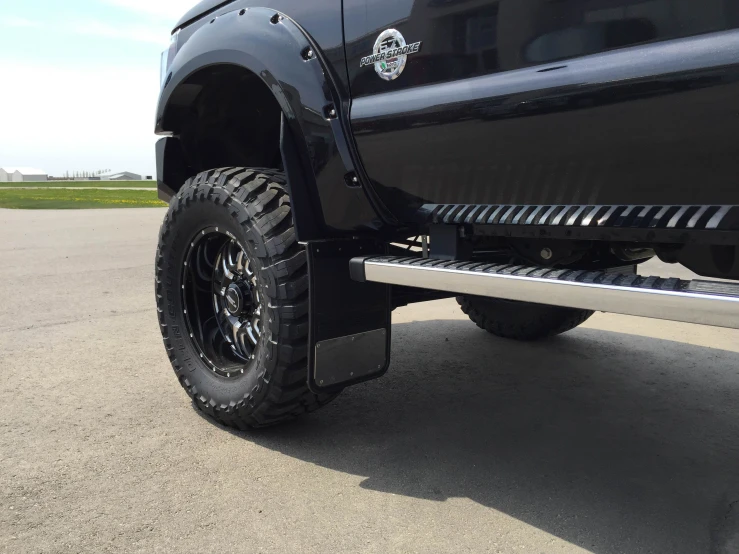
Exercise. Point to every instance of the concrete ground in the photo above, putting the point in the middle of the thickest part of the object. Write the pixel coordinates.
(621, 436)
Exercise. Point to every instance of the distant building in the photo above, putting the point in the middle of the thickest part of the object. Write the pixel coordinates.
(122, 176)
(22, 175)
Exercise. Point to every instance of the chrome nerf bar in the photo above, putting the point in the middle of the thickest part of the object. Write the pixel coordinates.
(702, 302)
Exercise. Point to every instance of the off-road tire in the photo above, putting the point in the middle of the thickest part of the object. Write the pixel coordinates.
(522, 321)
(254, 206)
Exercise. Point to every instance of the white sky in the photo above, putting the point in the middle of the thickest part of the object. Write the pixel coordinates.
(79, 82)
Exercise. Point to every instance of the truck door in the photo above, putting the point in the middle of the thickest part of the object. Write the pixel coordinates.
(544, 102)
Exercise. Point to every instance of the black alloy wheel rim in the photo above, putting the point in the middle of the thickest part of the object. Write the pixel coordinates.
(222, 304)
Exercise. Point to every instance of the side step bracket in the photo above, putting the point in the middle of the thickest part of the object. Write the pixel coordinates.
(702, 302)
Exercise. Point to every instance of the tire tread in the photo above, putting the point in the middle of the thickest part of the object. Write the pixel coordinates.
(261, 204)
(521, 320)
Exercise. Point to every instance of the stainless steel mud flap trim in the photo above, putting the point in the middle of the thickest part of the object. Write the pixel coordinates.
(350, 358)
(701, 302)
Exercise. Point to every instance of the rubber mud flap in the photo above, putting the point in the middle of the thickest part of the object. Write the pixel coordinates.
(349, 336)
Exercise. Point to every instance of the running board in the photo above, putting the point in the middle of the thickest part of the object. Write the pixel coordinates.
(701, 302)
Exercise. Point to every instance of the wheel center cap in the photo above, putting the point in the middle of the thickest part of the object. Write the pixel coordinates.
(234, 300)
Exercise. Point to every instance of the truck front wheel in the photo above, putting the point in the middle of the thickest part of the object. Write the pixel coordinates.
(521, 320)
(232, 297)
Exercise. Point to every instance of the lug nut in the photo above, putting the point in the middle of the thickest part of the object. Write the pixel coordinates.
(546, 253)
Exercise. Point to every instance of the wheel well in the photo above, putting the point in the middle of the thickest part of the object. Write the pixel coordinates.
(224, 115)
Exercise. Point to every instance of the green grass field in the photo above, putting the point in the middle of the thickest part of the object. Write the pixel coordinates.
(61, 199)
(85, 184)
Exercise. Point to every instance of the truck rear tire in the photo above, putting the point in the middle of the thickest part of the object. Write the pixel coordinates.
(522, 321)
(232, 297)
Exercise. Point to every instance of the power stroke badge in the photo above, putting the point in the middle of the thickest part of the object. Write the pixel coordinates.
(390, 54)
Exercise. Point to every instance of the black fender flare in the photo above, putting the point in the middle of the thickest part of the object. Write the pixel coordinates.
(315, 117)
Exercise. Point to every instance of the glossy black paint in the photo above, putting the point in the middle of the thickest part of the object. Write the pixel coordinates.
(509, 102)
(501, 107)
(712, 218)
(653, 223)
(321, 20)
(304, 89)
(201, 9)
(469, 38)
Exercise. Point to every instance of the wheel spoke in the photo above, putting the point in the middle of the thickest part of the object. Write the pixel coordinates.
(241, 263)
(223, 303)
(233, 251)
(252, 332)
(235, 338)
(227, 273)
(201, 270)
(224, 323)
(244, 343)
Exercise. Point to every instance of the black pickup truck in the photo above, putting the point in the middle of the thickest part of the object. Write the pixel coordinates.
(327, 161)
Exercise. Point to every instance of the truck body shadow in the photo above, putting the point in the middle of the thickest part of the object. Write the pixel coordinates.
(613, 442)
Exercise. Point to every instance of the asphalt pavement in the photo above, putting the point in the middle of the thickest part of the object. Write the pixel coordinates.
(619, 437)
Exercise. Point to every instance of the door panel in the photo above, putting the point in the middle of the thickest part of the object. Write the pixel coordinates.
(534, 101)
